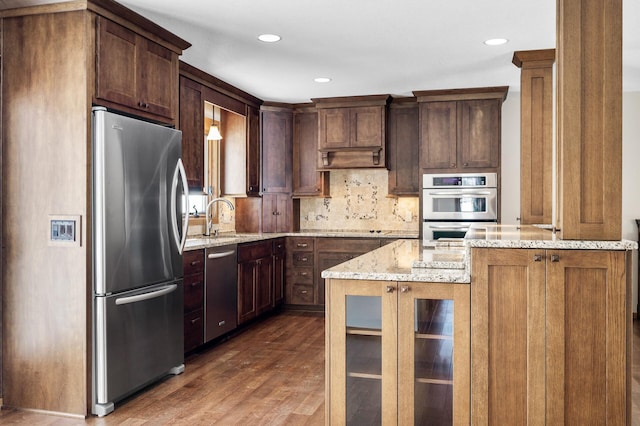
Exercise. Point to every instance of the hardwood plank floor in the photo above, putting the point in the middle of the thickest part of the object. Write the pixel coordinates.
(271, 374)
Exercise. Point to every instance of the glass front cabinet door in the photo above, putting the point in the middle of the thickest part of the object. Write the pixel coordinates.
(398, 353)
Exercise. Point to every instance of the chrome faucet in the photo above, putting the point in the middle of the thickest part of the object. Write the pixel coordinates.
(207, 214)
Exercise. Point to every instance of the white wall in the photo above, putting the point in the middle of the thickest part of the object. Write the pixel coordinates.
(630, 170)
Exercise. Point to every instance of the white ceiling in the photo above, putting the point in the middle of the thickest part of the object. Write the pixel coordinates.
(367, 46)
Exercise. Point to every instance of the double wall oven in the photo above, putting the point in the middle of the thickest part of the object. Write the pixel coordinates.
(452, 202)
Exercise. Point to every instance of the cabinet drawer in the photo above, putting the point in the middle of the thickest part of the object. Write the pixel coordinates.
(300, 276)
(279, 246)
(253, 251)
(303, 259)
(193, 330)
(301, 243)
(193, 262)
(350, 245)
(302, 294)
(193, 292)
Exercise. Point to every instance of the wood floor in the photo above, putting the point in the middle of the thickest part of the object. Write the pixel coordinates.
(272, 374)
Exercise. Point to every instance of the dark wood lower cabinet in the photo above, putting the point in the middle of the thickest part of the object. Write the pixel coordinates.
(193, 266)
(255, 280)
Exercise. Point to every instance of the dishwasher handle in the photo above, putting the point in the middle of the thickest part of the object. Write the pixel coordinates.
(221, 254)
(146, 296)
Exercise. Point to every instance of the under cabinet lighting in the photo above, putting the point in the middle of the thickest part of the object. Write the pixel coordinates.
(322, 79)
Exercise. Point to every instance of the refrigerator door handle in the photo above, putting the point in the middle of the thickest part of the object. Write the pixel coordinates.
(185, 186)
(146, 296)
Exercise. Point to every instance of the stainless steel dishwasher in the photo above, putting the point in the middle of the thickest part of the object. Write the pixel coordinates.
(221, 291)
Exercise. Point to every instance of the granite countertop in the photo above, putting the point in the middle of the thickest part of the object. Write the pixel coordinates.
(199, 242)
(408, 260)
(448, 261)
(534, 236)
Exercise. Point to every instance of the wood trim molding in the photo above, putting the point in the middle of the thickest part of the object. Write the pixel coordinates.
(534, 58)
(496, 92)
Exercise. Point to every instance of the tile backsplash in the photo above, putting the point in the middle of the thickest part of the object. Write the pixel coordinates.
(359, 202)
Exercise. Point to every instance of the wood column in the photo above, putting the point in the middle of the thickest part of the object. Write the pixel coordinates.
(536, 134)
(589, 119)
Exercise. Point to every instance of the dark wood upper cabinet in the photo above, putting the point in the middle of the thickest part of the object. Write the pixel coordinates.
(253, 151)
(135, 73)
(460, 129)
(307, 181)
(192, 126)
(277, 149)
(352, 131)
(403, 146)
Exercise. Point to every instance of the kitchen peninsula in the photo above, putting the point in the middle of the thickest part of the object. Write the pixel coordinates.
(538, 329)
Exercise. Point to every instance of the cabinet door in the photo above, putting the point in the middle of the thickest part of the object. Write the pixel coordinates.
(279, 260)
(246, 291)
(361, 353)
(277, 151)
(157, 78)
(192, 126)
(253, 151)
(333, 127)
(264, 285)
(277, 213)
(116, 75)
(403, 150)
(479, 139)
(438, 135)
(367, 127)
(306, 179)
(508, 338)
(587, 338)
(433, 353)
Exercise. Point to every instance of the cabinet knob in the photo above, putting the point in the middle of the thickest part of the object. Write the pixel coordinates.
(465, 164)
(555, 258)
(537, 257)
(390, 289)
(143, 104)
(404, 289)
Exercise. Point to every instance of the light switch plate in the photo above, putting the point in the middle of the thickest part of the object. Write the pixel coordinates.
(65, 230)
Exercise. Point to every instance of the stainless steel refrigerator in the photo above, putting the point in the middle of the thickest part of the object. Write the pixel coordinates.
(138, 235)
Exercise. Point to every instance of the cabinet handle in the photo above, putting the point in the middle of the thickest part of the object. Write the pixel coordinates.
(405, 289)
(195, 262)
(304, 274)
(304, 259)
(197, 283)
(390, 289)
(195, 320)
(453, 165)
(304, 291)
(555, 258)
(143, 104)
(537, 257)
(301, 245)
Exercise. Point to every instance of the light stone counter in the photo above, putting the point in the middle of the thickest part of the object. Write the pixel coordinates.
(449, 262)
(200, 242)
(407, 260)
(536, 237)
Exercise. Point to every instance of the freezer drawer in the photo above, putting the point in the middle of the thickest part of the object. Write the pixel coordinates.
(139, 338)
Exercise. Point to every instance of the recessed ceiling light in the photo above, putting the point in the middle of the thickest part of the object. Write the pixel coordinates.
(322, 79)
(496, 41)
(269, 38)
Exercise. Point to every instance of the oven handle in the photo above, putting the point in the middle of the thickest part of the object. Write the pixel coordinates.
(448, 226)
(460, 194)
